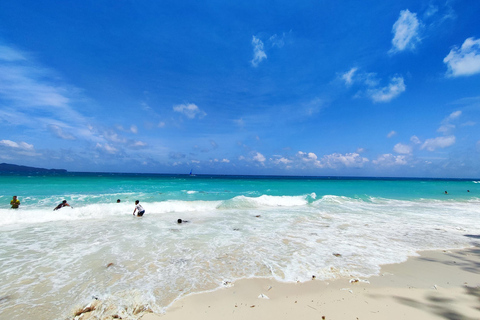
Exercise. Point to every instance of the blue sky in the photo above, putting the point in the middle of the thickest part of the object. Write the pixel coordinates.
(348, 88)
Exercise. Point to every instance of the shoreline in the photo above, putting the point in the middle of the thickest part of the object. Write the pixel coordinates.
(441, 284)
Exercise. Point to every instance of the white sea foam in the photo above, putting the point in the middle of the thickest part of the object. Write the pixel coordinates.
(155, 260)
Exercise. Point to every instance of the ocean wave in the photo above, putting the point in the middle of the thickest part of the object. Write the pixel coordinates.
(83, 210)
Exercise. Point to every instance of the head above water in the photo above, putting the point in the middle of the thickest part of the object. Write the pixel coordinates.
(136, 201)
(179, 221)
(118, 200)
(64, 201)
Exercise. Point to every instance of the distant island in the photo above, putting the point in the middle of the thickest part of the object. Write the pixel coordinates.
(13, 168)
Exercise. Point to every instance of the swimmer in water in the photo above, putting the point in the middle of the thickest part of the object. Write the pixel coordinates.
(182, 221)
(63, 204)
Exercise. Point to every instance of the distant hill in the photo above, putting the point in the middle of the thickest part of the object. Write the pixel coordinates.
(6, 167)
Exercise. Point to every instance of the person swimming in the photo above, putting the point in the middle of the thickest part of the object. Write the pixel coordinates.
(63, 204)
(182, 221)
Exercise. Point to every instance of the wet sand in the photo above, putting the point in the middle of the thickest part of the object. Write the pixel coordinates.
(435, 285)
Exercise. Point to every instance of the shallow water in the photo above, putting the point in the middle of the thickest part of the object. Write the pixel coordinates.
(239, 227)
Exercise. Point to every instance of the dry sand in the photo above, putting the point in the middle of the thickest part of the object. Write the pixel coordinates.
(435, 285)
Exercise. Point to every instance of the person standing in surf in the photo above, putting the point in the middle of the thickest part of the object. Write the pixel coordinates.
(139, 209)
(15, 202)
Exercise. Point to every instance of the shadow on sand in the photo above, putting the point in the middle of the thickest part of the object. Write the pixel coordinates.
(444, 307)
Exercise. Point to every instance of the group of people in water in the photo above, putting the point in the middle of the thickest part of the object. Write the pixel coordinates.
(15, 203)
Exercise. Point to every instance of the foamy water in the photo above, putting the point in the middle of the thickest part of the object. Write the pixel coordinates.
(52, 261)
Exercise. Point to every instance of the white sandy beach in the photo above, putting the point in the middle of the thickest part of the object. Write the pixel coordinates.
(434, 285)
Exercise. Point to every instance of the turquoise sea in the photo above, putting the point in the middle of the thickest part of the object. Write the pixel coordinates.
(287, 228)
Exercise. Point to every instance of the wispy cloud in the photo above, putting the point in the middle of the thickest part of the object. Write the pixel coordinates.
(106, 148)
(258, 51)
(406, 32)
(16, 145)
(464, 61)
(447, 125)
(38, 97)
(277, 41)
(10, 54)
(348, 76)
(189, 110)
(60, 133)
(11, 148)
(371, 85)
(386, 94)
(391, 134)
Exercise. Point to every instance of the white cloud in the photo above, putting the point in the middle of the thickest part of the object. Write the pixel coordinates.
(281, 160)
(439, 142)
(348, 76)
(189, 110)
(349, 160)
(134, 129)
(20, 145)
(259, 157)
(406, 32)
(335, 160)
(371, 85)
(391, 134)
(386, 94)
(464, 61)
(225, 160)
(402, 148)
(60, 133)
(309, 158)
(415, 140)
(258, 51)
(388, 160)
(106, 147)
(161, 124)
